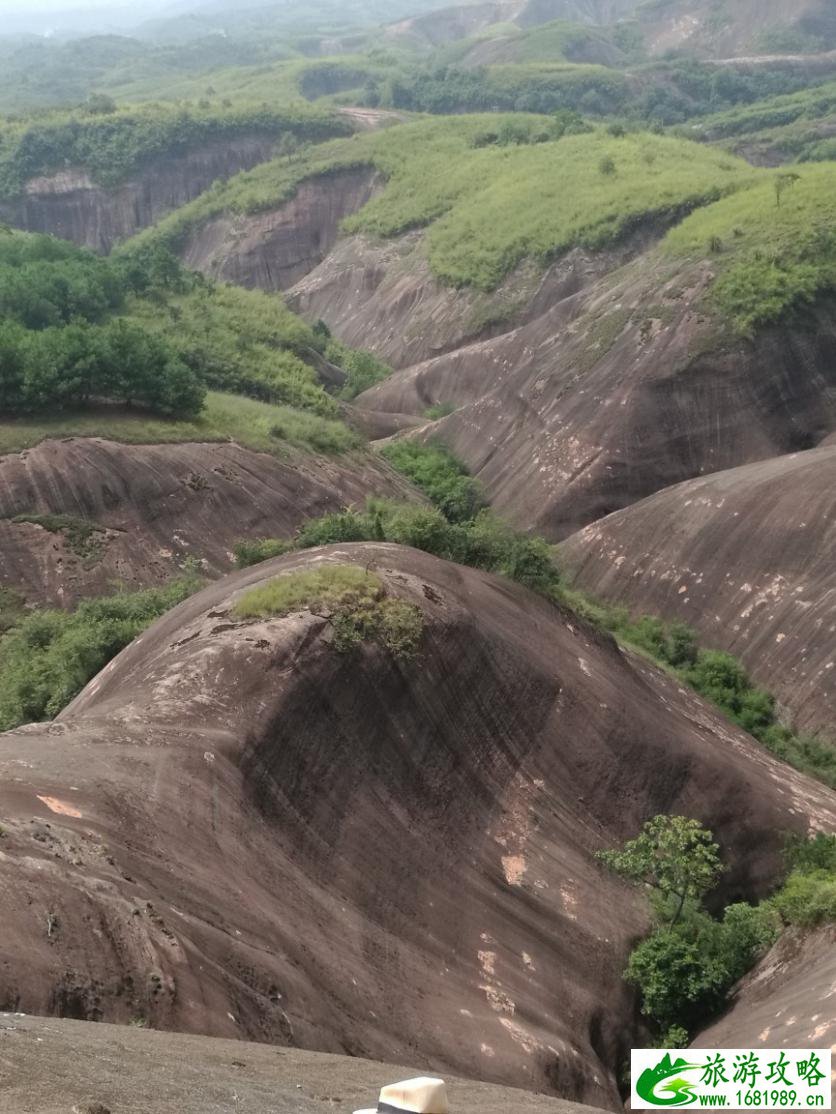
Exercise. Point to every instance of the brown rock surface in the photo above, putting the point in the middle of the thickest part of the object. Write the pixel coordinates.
(382, 295)
(579, 390)
(70, 205)
(160, 504)
(460, 21)
(49, 1065)
(686, 25)
(746, 557)
(787, 1001)
(272, 250)
(236, 830)
(619, 390)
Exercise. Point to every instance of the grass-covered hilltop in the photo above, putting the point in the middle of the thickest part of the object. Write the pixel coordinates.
(491, 190)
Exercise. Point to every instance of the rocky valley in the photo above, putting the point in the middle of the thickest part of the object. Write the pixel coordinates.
(417, 444)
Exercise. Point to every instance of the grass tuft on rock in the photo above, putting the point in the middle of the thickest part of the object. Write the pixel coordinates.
(351, 598)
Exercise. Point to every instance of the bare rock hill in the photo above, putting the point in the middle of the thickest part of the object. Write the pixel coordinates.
(460, 21)
(695, 26)
(787, 1001)
(151, 507)
(237, 830)
(611, 391)
(732, 30)
(70, 205)
(746, 557)
(578, 391)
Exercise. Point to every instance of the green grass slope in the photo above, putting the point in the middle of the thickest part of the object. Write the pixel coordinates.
(260, 426)
(770, 257)
(492, 190)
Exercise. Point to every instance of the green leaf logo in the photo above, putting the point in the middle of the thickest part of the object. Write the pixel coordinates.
(657, 1085)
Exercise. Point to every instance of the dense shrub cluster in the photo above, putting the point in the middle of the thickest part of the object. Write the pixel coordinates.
(61, 368)
(51, 655)
(459, 528)
(442, 478)
(808, 897)
(45, 281)
(684, 972)
(242, 341)
(686, 967)
(362, 369)
(140, 330)
(58, 348)
(670, 92)
(484, 543)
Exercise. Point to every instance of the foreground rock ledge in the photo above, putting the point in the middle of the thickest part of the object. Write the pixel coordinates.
(49, 1066)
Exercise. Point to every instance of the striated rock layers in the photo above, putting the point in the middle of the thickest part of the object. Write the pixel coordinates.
(272, 250)
(786, 1001)
(150, 507)
(71, 205)
(746, 557)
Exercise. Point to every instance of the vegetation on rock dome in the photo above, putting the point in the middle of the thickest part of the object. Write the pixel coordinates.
(352, 599)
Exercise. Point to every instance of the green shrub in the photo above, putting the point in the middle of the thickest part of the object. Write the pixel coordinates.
(775, 258)
(51, 655)
(82, 535)
(363, 369)
(260, 549)
(244, 341)
(808, 898)
(815, 853)
(684, 973)
(113, 145)
(718, 677)
(439, 475)
(439, 410)
(677, 983)
(685, 968)
(351, 598)
(485, 542)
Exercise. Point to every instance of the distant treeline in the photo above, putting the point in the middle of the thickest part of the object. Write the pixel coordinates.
(664, 93)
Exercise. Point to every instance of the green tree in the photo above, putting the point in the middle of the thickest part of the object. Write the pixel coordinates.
(672, 855)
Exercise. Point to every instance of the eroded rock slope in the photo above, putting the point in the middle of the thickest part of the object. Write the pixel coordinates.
(71, 205)
(746, 557)
(153, 506)
(787, 1001)
(238, 830)
(616, 391)
(272, 250)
